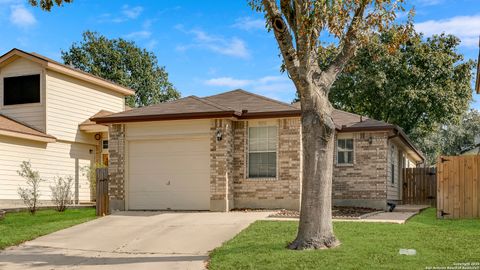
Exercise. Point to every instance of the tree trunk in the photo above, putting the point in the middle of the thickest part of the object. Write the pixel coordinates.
(315, 228)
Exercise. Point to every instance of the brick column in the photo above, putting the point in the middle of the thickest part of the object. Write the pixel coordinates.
(116, 167)
(221, 165)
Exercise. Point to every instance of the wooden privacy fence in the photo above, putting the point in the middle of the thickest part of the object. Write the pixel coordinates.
(458, 189)
(419, 186)
(102, 192)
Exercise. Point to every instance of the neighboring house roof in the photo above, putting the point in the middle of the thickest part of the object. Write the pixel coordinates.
(13, 128)
(64, 69)
(475, 150)
(241, 104)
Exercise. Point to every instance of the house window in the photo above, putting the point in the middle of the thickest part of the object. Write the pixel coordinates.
(105, 144)
(262, 152)
(392, 164)
(21, 90)
(345, 151)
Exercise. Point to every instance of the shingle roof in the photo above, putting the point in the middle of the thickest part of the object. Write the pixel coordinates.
(241, 100)
(9, 125)
(241, 105)
(184, 108)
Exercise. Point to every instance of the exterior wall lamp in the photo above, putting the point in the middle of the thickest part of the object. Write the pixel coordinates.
(219, 135)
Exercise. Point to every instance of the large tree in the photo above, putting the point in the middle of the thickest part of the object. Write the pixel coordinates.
(125, 63)
(454, 137)
(303, 29)
(419, 85)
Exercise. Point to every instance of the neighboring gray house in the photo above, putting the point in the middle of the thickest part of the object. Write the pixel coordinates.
(242, 150)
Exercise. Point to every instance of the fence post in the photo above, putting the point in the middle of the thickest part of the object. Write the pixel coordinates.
(102, 192)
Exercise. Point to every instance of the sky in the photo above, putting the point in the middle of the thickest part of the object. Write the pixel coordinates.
(207, 47)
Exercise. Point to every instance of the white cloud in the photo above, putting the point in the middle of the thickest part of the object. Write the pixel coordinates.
(467, 28)
(228, 82)
(139, 35)
(226, 46)
(429, 2)
(131, 12)
(20, 16)
(249, 23)
(271, 85)
(126, 13)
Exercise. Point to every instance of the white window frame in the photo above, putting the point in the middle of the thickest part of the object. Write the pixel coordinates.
(261, 124)
(338, 151)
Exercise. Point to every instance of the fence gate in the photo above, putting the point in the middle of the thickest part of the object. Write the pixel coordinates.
(102, 192)
(419, 186)
(458, 188)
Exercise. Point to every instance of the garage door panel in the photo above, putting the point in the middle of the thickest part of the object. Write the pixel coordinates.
(169, 174)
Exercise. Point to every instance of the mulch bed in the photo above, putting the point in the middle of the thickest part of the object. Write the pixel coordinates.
(337, 212)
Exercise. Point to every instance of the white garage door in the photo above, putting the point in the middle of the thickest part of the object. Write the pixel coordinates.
(169, 174)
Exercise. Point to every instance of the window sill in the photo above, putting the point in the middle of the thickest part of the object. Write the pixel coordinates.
(345, 164)
(261, 179)
(22, 105)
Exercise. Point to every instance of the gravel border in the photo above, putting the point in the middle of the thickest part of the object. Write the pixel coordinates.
(292, 214)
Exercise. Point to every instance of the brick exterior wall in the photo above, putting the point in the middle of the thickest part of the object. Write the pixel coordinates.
(221, 165)
(364, 182)
(282, 192)
(116, 168)
(360, 184)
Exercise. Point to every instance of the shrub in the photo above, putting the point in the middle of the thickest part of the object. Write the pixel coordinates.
(62, 192)
(31, 193)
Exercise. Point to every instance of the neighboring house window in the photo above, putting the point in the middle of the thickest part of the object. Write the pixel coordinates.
(345, 151)
(105, 144)
(21, 90)
(392, 164)
(262, 152)
(105, 152)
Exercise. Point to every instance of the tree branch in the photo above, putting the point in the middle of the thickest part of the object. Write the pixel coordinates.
(283, 37)
(349, 41)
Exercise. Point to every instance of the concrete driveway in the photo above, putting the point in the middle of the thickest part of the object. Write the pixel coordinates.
(132, 240)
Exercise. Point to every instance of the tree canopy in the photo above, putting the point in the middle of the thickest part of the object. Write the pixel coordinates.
(418, 86)
(48, 4)
(123, 62)
(453, 138)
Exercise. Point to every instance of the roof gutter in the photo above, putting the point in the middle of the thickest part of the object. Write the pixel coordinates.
(256, 115)
(27, 136)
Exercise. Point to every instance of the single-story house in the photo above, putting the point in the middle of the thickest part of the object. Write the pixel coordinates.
(45, 108)
(241, 150)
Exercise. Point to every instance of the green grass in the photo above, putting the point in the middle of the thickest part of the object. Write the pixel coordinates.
(20, 227)
(364, 246)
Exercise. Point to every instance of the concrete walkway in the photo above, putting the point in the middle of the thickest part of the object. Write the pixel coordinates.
(132, 240)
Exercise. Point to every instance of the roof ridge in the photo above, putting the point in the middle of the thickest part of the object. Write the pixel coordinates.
(211, 103)
(264, 97)
(356, 114)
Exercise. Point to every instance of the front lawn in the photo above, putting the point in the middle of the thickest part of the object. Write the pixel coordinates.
(20, 227)
(364, 246)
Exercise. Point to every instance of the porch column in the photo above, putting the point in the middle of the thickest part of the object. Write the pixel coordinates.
(116, 167)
